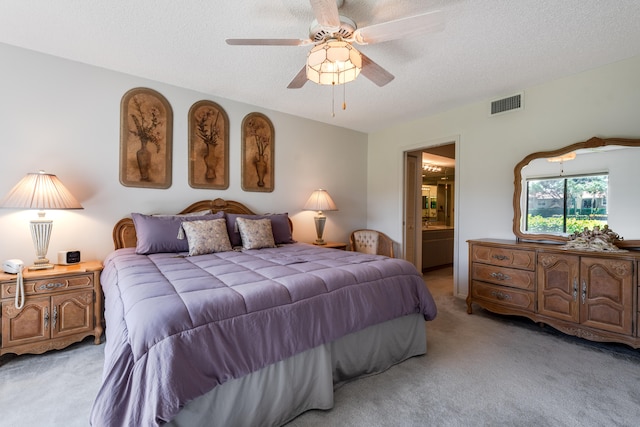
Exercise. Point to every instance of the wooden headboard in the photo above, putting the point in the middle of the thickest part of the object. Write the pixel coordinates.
(124, 232)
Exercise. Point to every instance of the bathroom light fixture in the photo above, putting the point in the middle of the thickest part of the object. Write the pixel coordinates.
(320, 201)
(40, 191)
(431, 168)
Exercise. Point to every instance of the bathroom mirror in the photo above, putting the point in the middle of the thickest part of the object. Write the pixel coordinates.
(617, 159)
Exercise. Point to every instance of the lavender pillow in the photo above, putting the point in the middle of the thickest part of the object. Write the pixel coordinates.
(158, 234)
(279, 225)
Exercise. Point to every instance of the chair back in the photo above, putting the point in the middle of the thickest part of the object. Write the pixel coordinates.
(371, 242)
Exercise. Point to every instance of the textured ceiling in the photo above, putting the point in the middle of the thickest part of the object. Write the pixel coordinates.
(488, 49)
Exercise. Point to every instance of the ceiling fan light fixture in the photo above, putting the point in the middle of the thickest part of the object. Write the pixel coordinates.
(333, 62)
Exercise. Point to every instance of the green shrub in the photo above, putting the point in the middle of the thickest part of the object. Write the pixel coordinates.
(539, 224)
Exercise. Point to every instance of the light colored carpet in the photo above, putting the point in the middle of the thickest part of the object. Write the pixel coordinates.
(480, 370)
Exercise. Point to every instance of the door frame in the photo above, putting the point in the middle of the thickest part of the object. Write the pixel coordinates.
(409, 234)
(406, 150)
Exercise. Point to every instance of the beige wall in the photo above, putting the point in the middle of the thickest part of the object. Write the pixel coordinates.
(604, 102)
(64, 117)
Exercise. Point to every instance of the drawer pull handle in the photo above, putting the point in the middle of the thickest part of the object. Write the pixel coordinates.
(55, 316)
(584, 291)
(49, 286)
(500, 257)
(501, 296)
(575, 289)
(500, 276)
(46, 317)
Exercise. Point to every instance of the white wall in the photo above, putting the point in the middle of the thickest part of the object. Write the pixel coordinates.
(604, 102)
(64, 117)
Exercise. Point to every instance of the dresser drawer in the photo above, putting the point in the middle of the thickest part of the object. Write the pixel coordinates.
(505, 257)
(48, 285)
(512, 277)
(504, 296)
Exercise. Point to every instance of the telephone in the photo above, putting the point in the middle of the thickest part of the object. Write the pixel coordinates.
(15, 266)
(12, 266)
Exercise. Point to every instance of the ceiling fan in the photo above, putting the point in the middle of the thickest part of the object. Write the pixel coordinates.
(330, 29)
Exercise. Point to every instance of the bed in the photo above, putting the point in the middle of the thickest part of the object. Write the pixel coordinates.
(251, 334)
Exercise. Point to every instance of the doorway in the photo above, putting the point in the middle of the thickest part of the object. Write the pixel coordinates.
(429, 206)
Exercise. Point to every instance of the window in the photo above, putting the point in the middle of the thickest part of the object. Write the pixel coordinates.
(564, 205)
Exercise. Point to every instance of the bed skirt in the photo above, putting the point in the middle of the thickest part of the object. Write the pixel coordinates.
(280, 392)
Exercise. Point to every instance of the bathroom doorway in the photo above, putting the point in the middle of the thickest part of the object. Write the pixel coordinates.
(429, 208)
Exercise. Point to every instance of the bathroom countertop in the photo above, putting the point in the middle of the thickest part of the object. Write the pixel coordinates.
(437, 227)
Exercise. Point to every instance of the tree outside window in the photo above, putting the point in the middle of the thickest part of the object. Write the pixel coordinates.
(564, 205)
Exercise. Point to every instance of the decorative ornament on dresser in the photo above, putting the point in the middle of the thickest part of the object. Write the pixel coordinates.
(208, 146)
(595, 240)
(146, 132)
(258, 139)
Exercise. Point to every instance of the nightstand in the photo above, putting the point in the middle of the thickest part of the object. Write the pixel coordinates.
(334, 245)
(62, 305)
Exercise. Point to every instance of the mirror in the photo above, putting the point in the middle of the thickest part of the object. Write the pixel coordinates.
(595, 156)
(438, 186)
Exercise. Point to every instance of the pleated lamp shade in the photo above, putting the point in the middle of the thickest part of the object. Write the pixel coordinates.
(320, 201)
(40, 191)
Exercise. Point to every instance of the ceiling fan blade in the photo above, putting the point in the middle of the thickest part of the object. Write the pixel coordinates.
(299, 80)
(374, 72)
(268, 42)
(400, 28)
(326, 12)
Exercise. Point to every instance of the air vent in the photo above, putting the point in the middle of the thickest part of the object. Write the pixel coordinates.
(504, 105)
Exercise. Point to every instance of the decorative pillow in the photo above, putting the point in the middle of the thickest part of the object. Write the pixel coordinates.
(256, 233)
(207, 236)
(160, 233)
(279, 225)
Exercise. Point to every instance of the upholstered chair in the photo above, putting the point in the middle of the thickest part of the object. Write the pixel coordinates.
(371, 242)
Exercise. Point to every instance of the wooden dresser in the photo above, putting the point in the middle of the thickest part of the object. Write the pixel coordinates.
(62, 305)
(593, 295)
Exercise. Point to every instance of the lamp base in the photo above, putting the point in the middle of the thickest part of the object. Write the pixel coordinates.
(319, 220)
(46, 266)
(41, 232)
(41, 264)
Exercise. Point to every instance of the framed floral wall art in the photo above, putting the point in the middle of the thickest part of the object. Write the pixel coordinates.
(146, 131)
(208, 146)
(258, 139)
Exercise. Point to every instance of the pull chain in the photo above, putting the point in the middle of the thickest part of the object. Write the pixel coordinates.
(344, 96)
(333, 100)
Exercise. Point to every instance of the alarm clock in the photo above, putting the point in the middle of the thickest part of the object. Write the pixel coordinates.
(68, 257)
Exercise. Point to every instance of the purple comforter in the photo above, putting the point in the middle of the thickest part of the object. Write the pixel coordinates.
(178, 326)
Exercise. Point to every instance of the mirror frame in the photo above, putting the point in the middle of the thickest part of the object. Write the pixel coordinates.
(517, 193)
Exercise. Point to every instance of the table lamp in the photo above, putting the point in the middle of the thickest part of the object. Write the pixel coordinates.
(40, 191)
(320, 201)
